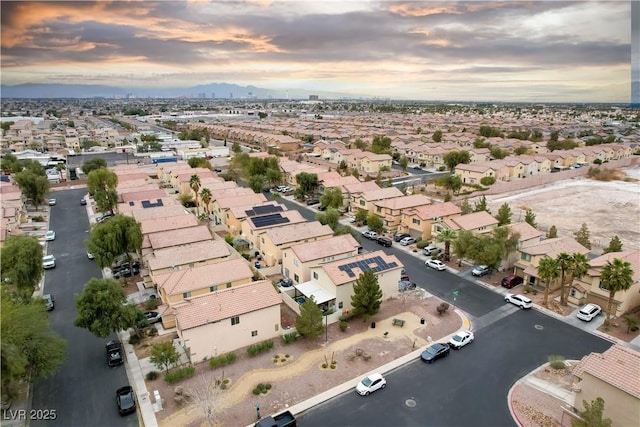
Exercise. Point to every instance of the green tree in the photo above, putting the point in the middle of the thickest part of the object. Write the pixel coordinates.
(257, 183)
(307, 183)
(332, 198)
(33, 186)
(374, 222)
(487, 180)
(29, 348)
(121, 235)
(447, 236)
(205, 196)
(360, 144)
(498, 152)
(615, 245)
(21, 264)
(236, 148)
(437, 136)
(10, 163)
(481, 205)
(582, 236)
(367, 295)
(451, 182)
(553, 232)
(164, 355)
(403, 162)
(309, 323)
(455, 157)
(578, 266)
(103, 309)
(530, 218)
(93, 164)
(504, 215)
(102, 184)
(329, 217)
(362, 215)
(592, 415)
(564, 261)
(466, 207)
(274, 176)
(617, 276)
(194, 184)
(548, 271)
(381, 145)
(199, 162)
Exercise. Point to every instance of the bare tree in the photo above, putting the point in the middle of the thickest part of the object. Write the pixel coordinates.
(204, 394)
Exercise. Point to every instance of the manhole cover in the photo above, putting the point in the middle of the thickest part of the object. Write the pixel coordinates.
(539, 327)
(410, 403)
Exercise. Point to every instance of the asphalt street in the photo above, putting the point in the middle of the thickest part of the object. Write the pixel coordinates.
(82, 390)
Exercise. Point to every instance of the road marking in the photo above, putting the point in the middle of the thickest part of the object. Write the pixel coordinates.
(493, 316)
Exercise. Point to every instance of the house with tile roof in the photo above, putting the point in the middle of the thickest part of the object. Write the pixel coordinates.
(175, 223)
(390, 210)
(587, 288)
(187, 255)
(166, 239)
(298, 259)
(254, 227)
(237, 214)
(365, 200)
(142, 212)
(420, 222)
(224, 200)
(528, 236)
(276, 239)
(473, 173)
(220, 322)
(613, 376)
(372, 163)
(478, 222)
(331, 283)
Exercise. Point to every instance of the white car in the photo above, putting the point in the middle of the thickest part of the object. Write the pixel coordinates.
(435, 264)
(588, 312)
(351, 219)
(372, 235)
(519, 300)
(407, 241)
(49, 261)
(50, 235)
(90, 255)
(461, 339)
(52, 202)
(370, 384)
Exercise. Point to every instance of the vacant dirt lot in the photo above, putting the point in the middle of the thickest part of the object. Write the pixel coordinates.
(608, 208)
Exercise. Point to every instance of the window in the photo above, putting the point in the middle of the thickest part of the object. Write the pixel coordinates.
(186, 295)
(296, 278)
(213, 288)
(416, 221)
(295, 262)
(315, 275)
(525, 257)
(262, 240)
(228, 285)
(277, 327)
(378, 209)
(340, 304)
(361, 202)
(254, 333)
(235, 320)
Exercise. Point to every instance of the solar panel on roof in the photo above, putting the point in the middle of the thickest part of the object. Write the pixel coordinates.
(148, 204)
(365, 264)
(266, 220)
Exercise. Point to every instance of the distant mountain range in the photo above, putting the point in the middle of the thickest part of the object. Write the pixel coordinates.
(212, 90)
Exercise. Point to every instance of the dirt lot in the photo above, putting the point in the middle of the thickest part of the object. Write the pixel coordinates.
(608, 208)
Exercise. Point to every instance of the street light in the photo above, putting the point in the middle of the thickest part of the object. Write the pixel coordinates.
(326, 328)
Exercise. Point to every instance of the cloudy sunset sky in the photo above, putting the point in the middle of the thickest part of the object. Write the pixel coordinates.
(467, 51)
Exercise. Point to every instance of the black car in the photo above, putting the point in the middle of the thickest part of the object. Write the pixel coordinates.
(114, 354)
(435, 352)
(126, 400)
(384, 241)
(312, 201)
(400, 236)
(286, 283)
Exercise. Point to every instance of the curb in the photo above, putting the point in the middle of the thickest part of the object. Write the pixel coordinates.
(514, 415)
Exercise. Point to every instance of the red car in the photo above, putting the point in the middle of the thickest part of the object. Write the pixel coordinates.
(512, 281)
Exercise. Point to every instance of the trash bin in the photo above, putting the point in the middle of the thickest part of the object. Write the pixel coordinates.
(373, 325)
(422, 320)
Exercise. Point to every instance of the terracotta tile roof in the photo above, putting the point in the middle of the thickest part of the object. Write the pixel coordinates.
(203, 276)
(361, 187)
(471, 221)
(141, 214)
(294, 217)
(187, 254)
(227, 303)
(383, 193)
(240, 199)
(298, 232)
(404, 202)
(142, 195)
(632, 257)
(437, 210)
(553, 247)
(168, 223)
(325, 248)
(619, 366)
(165, 239)
(525, 230)
(240, 212)
(340, 276)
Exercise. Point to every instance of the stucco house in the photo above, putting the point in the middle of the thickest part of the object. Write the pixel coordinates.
(478, 222)
(366, 199)
(236, 215)
(420, 222)
(473, 173)
(390, 210)
(253, 227)
(188, 255)
(275, 240)
(220, 322)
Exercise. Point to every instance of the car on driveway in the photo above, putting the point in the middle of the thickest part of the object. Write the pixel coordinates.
(399, 236)
(519, 300)
(435, 352)
(370, 384)
(49, 261)
(48, 302)
(114, 354)
(435, 264)
(153, 316)
(407, 241)
(49, 236)
(351, 219)
(511, 281)
(589, 312)
(384, 241)
(126, 400)
(312, 201)
(406, 285)
(431, 250)
(480, 270)
(285, 283)
(371, 235)
(460, 339)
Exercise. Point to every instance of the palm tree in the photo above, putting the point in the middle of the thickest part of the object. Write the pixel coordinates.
(616, 276)
(564, 259)
(447, 236)
(194, 183)
(205, 196)
(578, 266)
(548, 270)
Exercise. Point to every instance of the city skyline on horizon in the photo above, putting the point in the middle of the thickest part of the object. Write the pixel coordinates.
(463, 51)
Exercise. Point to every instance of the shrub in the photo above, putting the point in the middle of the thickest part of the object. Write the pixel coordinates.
(442, 308)
(179, 374)
(333, 366)
(557, 362)
(134, 339)
(152, 304)
(423, 243)
(324, 366)
(151, 375)
(261, 388)
(343, 325)
(222, 360)
(290, 337)
(38, 219)
(347, 316)
(152, 332)
(260, 347)
(487, 180)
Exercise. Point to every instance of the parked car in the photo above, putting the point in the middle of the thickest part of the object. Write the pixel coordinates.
(461, 339)
(435, 264)
(370, 384)
(48, 302)
(511, 281)
(49, 261)
(114, 354)
(126, 400)
(431, 250)
(49, 236)
(406, 285)
(52, 202)
(589, 312)
(435, 352)
(153, 316)
(404, 275)
(83, 202)
(257, 264)
(351, 219)
(286, 282)
(384, 241)
(372, 235)
(480, 270)
(312, 201)
(284, 419)
(407, 241)
(108, 215)
(519, 300)
(399, 236)
(90, 255)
